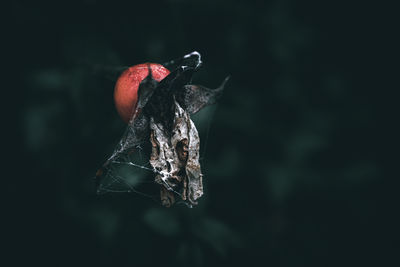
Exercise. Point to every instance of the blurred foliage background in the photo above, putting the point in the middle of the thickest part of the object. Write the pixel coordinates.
(297, 157)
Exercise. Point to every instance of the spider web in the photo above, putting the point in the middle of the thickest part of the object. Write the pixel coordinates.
(128, 169)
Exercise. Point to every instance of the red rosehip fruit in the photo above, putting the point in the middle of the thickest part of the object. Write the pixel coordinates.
(126, 88)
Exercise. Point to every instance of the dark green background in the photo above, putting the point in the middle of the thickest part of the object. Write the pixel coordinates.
(298, 156)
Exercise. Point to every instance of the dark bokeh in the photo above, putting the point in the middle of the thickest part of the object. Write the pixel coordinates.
(296, 156)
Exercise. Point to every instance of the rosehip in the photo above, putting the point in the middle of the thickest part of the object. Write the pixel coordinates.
(126, 88)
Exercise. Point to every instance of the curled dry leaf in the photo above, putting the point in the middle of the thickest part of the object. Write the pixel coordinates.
(162, 116)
